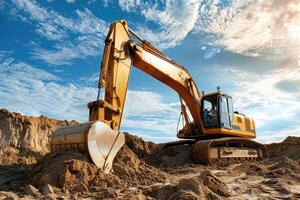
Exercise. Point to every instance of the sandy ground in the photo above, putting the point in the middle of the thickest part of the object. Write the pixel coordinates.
(139, 172)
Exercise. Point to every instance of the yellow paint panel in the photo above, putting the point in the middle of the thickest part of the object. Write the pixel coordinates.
(228, 132)
(240, 129)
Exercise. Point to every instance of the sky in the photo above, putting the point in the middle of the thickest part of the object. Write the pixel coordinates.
(50, 55)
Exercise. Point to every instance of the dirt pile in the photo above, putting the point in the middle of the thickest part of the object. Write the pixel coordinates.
(291, 140)
(140, 171)
(285, 169)
(140, 147)
(278, 168)
(73, 171)
(13, 156)
(290, 147)
(268, 179)
(132, 176)
(201, 185)
(27, 133)
(171, 157)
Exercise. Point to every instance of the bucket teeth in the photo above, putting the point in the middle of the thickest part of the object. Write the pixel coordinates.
(99, 140)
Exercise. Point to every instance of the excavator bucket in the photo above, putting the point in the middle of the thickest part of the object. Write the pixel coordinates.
(98, 139)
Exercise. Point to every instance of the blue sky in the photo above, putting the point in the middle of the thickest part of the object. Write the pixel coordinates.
(50, 53)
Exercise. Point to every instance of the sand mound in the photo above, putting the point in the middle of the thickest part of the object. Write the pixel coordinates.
(186, 188)
(12, 156)
(131, 178)
(27, 133)
(290, 147)
(203, 186)
(285, 169)
(251, 168)
(72, 170)
(292, 140)
(286, 163)
(171, 157)
(140, 171)
(140, 147)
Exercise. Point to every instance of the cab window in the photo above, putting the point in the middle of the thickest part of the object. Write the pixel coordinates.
(210, 111)
(226, 111)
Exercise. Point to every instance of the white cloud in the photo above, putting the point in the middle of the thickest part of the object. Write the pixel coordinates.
(2, 4)
(259, 95)
(62, 55)
(33, 91)
(50, 31)
(147, 103)
(22, 70)
(154, 136)
(32, 8)
(48, 20)
(147, 110)
(272, 99)
(129, 5)
(4, 53)
(88, 29)
(158, 124)
(278, 136)
(252, 27)
(93, 79)
(92, 1)
(176, 19)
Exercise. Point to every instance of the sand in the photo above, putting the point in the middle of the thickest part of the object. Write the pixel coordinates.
(27, 133)
(29, 171)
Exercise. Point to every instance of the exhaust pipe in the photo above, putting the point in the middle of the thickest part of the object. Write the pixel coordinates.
(98, 139)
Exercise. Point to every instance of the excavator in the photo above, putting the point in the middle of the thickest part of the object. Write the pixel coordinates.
(211, 126)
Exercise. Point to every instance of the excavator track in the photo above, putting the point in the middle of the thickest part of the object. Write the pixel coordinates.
(228, 149)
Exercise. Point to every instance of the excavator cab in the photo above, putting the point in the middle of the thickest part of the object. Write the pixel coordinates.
(217, 110)
(220, 119)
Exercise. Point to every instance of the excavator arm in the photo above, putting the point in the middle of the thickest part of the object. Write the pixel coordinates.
(120, 53)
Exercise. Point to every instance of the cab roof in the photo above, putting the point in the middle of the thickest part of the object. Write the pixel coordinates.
(215, 93)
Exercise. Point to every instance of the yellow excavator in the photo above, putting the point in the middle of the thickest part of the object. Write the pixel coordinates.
(215, 130)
